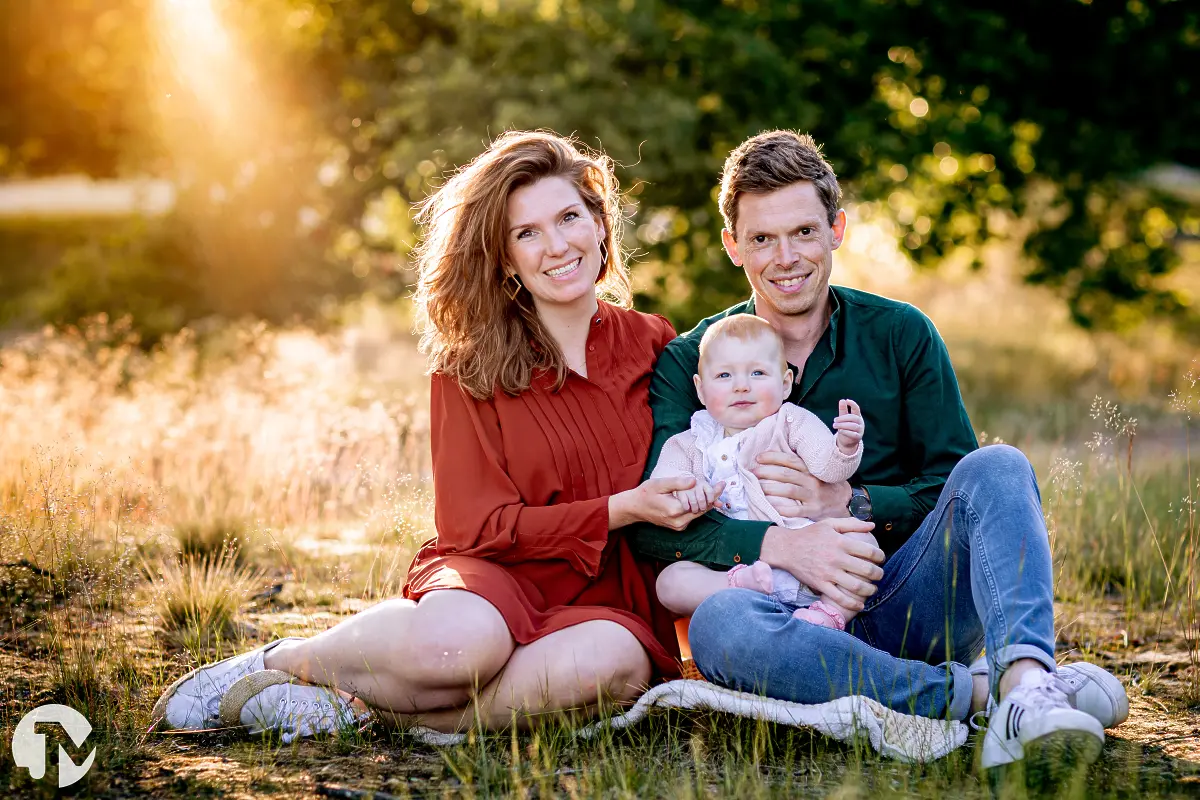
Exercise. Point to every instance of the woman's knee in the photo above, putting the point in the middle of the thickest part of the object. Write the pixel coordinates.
(458, 641)
(619, 663)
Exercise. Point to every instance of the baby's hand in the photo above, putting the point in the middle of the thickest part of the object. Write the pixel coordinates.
(849, 426)
(702, 498)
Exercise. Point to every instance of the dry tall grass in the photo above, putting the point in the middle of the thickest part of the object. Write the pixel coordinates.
(277, 428)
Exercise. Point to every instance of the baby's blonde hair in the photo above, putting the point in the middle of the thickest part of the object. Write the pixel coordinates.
(744, 328)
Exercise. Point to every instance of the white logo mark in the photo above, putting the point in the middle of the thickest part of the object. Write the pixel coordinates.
(29, 746)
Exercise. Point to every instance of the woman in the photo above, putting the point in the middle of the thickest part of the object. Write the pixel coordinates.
(529, 599)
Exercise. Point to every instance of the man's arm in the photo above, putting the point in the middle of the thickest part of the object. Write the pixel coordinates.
(937, 432)
(714, 538)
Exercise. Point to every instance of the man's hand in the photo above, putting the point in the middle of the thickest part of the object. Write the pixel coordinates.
(829, 563)
(794, 492)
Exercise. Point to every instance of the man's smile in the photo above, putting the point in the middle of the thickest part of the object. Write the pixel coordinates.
(790, 284)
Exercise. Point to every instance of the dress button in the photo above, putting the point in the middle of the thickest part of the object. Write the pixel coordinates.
(724, 457)
(887, 527)
(789, 418)
(678, 554)
(737, 559)
(592, 347)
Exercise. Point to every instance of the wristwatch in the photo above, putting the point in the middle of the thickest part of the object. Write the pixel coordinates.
(860, 504)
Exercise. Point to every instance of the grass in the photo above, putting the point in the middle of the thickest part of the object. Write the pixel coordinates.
(161, 508)
(220, 538)
(198, 599)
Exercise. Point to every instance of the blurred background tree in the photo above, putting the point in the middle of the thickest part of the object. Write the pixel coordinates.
(299, 134)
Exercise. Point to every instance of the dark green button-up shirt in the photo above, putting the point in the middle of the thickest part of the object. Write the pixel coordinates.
(885, 355)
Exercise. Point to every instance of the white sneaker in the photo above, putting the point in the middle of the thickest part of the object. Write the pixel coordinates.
(193, 702)
(1035, 724)
(272, 700)
(1089, 688)
(1096, 691)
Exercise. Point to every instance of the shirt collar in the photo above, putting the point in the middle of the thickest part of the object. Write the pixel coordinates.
(835, 315)
(603, 312)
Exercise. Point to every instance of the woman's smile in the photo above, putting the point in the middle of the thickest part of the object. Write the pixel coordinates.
(565, 271)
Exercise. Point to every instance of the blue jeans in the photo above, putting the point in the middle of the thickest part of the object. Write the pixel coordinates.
(977, 571)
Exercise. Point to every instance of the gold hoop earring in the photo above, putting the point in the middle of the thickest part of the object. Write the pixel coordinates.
(512, 286)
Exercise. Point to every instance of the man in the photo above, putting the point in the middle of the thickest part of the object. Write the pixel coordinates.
(967, 554)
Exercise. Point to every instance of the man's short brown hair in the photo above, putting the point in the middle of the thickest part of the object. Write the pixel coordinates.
(771, 161)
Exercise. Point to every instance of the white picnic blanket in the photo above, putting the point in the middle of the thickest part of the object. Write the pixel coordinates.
(902, 736)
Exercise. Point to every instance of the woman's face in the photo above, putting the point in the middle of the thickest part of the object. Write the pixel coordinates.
(554, 243)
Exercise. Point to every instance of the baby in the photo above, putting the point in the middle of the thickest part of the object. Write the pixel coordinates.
(743, 381)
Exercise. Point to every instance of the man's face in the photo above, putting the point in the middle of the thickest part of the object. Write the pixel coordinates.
(785, 244)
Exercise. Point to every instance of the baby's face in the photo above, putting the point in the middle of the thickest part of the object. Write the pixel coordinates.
(742, 383)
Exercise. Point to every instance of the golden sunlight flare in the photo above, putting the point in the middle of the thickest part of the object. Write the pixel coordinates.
(203, 60)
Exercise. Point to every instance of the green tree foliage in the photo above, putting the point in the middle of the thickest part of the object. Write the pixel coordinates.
(956, 118)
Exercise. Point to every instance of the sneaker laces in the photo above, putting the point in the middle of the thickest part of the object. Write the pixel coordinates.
(1051, 690)
(1048, 690)
(302, 716)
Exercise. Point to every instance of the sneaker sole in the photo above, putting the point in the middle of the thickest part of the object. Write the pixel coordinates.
(1050, 760)
(159, 713)
(1063, 751)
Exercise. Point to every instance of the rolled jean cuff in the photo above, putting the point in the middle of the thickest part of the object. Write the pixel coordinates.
(962, 687)
(1015, 652)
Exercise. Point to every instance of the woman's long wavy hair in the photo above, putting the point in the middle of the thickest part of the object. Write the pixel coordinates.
(470, 329)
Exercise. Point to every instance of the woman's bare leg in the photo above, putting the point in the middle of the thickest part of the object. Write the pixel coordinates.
(405, 656)
(574, 668)
(449, 659)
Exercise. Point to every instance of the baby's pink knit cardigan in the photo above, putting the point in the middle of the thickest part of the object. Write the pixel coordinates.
(791, 429)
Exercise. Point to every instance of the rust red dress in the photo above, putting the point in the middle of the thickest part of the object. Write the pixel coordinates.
(521, 488)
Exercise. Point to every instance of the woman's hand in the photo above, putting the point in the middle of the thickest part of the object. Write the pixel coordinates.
(654, 501)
